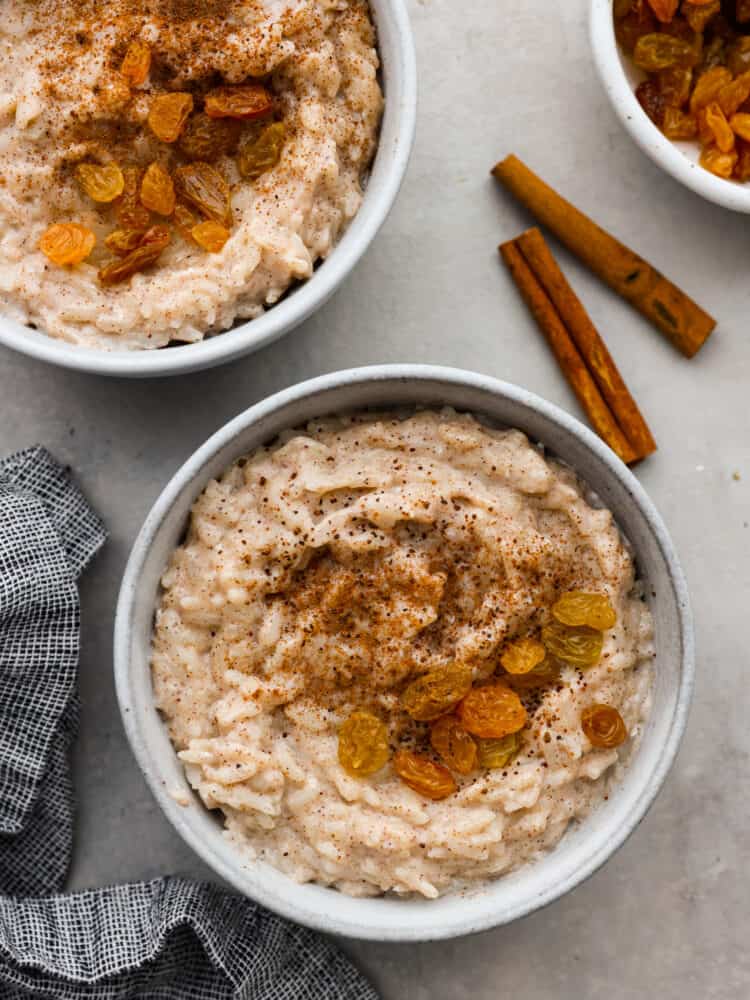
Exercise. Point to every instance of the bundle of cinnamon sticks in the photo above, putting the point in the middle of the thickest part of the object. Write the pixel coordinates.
(578, 347)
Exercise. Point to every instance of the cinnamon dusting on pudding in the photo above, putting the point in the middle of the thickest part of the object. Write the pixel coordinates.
(331, 644)
(73, 92)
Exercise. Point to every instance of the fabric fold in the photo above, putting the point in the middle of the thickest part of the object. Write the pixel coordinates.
(48, 534)
(168, 939)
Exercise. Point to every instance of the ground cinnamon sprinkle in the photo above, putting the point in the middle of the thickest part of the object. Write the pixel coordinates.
(188, 10)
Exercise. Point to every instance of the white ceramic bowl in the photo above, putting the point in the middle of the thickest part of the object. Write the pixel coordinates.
(399, 80)
(585, 847)
(680, 159)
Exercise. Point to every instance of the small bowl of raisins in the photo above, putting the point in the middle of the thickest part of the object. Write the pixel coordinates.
(678, 75)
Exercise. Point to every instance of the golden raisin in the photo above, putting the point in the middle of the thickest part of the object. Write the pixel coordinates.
(168, 114)
(708, 86)
(136, 64)
(579, 608)
(436, 693)
(156, 236)
(721, 164)
(733, 95)
(457, 748)
(580, 645)
(153, 242)
(740, 124)
(492, 710)
(157, 190)
(246, 101)
(210, 235)
(494, 754)
(665, 10)
(205, 138)
(184, 221)
(433, 781)
(129, 212)
(101, 182)
(363, 745)
(713, 127)
(255, 158)
(637, 22)
(705, 135)
(675, 84)
(603, 726)
(203, 187)
(544, 675)
(699, 14)
(123, 241)
(67, 243)
(522, 655)
(678, 125)
(659, 51)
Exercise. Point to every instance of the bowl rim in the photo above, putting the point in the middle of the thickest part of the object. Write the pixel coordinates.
(662, 151)
(399, 119)
(192, 475)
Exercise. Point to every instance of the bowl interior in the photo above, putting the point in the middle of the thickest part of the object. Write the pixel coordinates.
(680, 159)
(585, 847)
(398, 78)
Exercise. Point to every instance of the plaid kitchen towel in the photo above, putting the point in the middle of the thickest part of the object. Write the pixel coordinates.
(162, 940)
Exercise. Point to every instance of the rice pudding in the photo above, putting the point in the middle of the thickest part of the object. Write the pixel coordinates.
(401, 653)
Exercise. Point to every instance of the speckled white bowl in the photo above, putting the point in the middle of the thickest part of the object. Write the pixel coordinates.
(680, 159)
(399, 79)
(585, 847)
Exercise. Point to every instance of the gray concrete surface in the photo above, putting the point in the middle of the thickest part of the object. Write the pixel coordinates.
(668, 916)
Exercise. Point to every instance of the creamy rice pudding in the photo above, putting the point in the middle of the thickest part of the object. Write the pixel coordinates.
(401, 653)
(168, 167)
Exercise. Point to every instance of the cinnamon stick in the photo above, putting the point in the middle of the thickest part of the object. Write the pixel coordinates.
(568, 357)
(670, 310)
(586, 337)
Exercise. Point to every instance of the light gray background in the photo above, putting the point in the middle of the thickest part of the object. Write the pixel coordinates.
(668, 916)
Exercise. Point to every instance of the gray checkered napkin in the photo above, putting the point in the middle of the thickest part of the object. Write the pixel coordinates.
(167, 939)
